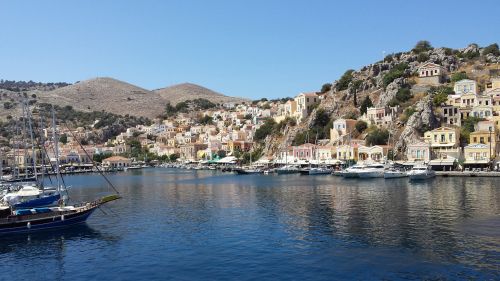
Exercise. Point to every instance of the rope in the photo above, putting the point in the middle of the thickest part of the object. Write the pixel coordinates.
(93, 162)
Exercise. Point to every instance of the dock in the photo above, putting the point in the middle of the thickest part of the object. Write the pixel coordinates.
(467, 174)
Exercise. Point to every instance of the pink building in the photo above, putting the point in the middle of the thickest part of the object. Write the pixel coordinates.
(304, 151)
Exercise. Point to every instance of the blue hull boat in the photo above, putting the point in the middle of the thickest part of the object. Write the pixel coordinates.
(38, 202)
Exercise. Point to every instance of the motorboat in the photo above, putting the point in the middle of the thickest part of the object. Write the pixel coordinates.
(353, 171)
(394, 173)
(421, 172)
(372, 171)
(288, 169)
(320, 171)
(248, 170)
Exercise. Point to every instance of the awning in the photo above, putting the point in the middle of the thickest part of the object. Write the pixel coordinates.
(442, 162)
(481, 161)
(228, 160)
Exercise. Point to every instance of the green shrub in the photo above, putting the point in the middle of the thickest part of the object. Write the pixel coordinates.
(422, 46)
(408, 112)
(422, 57)
(403, 95)
(441, 94)
(492, 49)
(367, 102)
(377, 136)
(265, 129)
(468, 127)
(361, 126)
(326, 87)
(396, 72)
(344, 81)
(457, 76)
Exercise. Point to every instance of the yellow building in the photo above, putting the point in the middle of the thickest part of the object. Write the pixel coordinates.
(347, 152)
(476, 155)
(444, 142)
(487, 138)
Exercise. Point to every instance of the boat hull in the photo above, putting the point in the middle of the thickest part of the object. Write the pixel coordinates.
(321, 172)
(371, 174)
(287, 172)
(38, 202)
(47, 223)
(419, 177)
(395, 175)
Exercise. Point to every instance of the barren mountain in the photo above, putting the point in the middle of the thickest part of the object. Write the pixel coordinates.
(106, 94)
(188, 91)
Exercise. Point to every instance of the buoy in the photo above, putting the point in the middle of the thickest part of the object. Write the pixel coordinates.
(28, 225)
(62, 218)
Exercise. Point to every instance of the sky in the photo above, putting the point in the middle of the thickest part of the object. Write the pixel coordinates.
(251, 49)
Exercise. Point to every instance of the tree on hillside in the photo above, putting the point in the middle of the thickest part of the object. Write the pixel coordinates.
(492, 49)
(422, 46)
(457, 76)
(367, 102)
(361, 126)
(265, 129)
(344, 81)
(63, 139)
(377, 136)
(326, 87)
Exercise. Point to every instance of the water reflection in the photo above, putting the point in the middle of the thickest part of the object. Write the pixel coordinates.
(226, 226)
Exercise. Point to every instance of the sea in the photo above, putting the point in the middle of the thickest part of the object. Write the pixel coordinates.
(175, 224)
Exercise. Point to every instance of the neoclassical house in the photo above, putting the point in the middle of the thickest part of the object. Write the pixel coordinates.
(431, 74)
(444, 143)
(418, 152)
(465, 86)
(376, 153)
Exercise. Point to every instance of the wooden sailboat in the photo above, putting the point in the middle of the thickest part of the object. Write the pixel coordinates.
(45, 218)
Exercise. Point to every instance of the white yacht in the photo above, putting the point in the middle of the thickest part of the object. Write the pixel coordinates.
(372, 171)
(394, 173)
(421, 172)
(288, 169)
(320, 171)
(353, 172)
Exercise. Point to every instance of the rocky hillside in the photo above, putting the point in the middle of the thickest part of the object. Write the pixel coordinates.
(384, 82)
(187, 91)
(103, 94)
(106, 94)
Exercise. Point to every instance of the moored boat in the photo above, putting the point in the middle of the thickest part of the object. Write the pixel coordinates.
(394, 173)
(421, 172)
(372, 171)
(288, 169)
(37, 219)
(320, 171)
(353, 172)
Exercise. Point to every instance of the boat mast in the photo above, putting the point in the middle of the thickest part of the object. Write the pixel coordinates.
(42, 151)
(15, 163)
(28, 115)
(55, 140)
(24, 144)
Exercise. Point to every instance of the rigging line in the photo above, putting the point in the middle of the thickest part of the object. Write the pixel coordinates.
(90, 158)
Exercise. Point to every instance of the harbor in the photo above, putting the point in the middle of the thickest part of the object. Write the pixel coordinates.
(173, 220)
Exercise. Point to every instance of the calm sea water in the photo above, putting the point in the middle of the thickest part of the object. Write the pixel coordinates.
(192, 225)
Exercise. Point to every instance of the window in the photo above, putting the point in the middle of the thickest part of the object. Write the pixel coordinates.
(443, 138)
(475, 140)
(481, 139)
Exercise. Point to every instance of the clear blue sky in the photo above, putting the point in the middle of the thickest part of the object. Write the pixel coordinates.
(252, 48)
